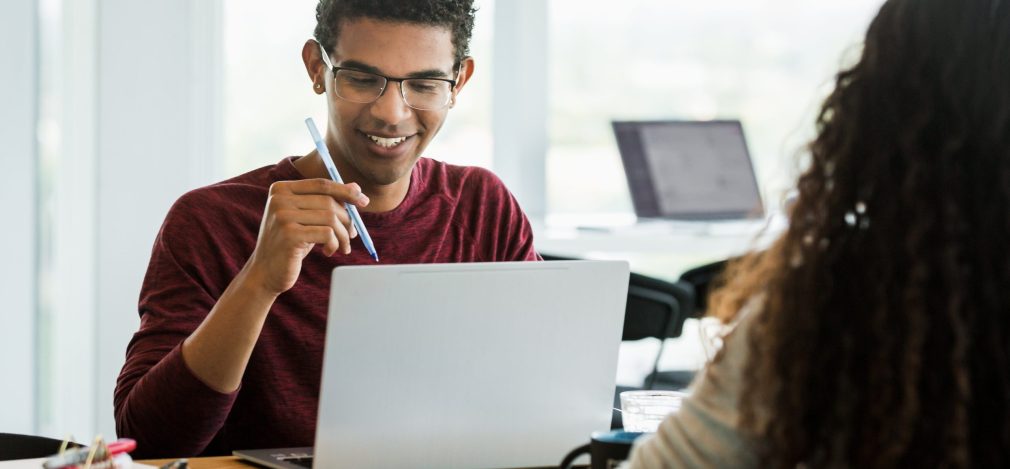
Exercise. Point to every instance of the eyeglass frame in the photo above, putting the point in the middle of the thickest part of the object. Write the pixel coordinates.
(334, 69)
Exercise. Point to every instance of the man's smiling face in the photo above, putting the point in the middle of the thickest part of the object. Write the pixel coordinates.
(378, 143)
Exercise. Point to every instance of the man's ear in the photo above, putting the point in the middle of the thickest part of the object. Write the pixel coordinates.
(314, 65)
(465, 72)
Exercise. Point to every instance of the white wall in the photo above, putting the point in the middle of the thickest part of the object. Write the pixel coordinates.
(68, 397)
(18, 85)
(133, 122)
(158, 122)
(519, 101)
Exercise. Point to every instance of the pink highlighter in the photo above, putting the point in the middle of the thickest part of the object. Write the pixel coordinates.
(100, 455)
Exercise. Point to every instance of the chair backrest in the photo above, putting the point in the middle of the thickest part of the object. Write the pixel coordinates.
(655, 308)
(700, 278)
(14, 446)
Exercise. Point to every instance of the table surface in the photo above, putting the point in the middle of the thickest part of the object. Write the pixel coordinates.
(214, 462)
(662, 249)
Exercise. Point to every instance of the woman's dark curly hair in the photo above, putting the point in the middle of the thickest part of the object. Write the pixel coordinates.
(455, 15)
(883, 338)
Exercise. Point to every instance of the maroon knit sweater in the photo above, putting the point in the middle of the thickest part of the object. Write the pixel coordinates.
(450, 214)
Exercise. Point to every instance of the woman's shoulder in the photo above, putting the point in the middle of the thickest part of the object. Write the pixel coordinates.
(707, 430)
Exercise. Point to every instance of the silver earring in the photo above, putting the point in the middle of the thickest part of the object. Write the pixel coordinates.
(318, 86)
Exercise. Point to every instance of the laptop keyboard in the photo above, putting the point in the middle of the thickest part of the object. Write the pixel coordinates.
(303, 461)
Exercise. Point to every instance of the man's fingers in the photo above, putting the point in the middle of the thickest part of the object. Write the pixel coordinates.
(315, 202)
(331, 240)
(350, 193)
(324, 237)
(325, 217)
(337, 222)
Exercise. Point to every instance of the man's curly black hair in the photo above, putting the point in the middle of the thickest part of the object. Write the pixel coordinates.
(455, 15)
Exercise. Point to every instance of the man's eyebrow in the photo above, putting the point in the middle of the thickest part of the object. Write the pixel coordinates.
(430, 73)
(360, 66)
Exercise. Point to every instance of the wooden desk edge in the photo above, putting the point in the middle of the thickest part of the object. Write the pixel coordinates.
(212, 462)
(228, 462)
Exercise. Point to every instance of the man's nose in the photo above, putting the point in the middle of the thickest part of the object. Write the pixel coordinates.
(390, 107)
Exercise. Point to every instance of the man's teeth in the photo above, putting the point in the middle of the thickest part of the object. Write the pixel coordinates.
(387, 142)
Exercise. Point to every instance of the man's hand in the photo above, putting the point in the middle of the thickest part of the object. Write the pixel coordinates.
(299, 215)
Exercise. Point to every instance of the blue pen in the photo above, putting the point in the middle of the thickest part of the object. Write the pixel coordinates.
(324, 154)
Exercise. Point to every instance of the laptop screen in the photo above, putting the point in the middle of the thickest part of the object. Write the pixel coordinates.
(692, 170)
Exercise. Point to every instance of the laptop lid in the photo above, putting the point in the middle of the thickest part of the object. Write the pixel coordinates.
(689, 170)
(468, 365)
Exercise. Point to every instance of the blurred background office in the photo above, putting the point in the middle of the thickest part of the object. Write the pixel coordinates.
(113, 108)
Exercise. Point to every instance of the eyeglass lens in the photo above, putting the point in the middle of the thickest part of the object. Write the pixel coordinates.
(418, 93)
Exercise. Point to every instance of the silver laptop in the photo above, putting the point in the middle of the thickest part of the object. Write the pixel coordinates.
(465, 365)
(688, 170)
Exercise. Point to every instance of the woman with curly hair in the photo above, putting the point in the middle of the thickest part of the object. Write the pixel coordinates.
(876, 331)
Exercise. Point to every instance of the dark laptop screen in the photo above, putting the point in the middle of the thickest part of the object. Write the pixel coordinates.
(693, 170)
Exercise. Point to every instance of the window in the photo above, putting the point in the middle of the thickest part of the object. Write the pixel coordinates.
(768, 63)
(268, 94)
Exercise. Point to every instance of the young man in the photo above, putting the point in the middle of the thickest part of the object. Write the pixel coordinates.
(233, 307)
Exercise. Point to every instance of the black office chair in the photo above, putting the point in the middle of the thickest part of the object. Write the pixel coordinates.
(655, 308)
(14, 446)
(701, 278)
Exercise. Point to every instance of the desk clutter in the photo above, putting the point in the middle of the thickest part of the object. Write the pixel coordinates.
(100, 455)
(22, 451)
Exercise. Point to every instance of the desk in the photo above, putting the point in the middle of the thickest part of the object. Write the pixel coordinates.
(213, 462)
(217, 462)
(662, 249)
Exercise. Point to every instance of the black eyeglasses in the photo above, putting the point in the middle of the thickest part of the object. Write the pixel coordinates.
(356, 86)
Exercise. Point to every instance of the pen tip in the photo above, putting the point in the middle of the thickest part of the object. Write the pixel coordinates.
(376, 256)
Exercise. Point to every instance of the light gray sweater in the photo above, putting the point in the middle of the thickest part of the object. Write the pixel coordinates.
(706, 431)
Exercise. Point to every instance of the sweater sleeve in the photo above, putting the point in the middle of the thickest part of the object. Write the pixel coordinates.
(158, 400)
(706, 431)
(520, 244)
(511, 238)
